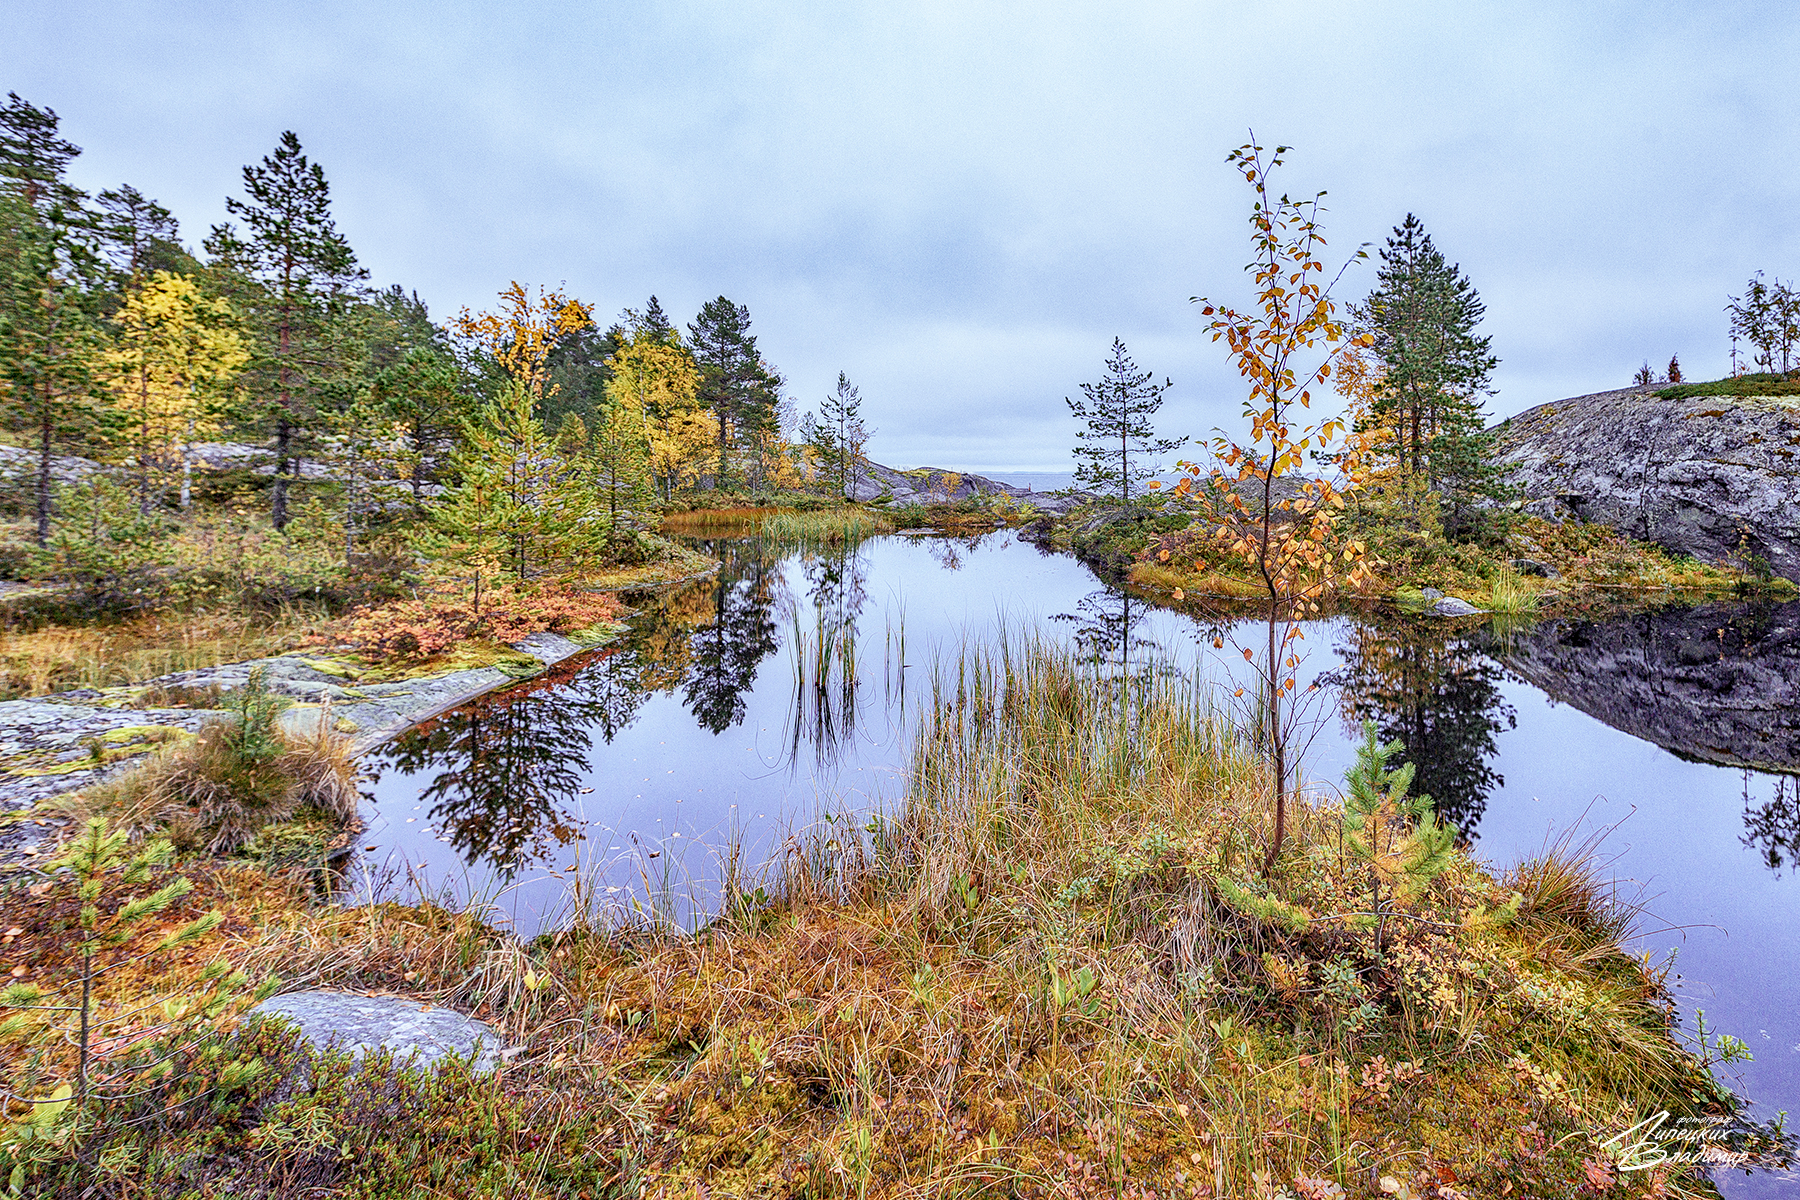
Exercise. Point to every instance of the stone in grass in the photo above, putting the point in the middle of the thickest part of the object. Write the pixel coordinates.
(1429, 594)
(1450, 606)
(419, 1035)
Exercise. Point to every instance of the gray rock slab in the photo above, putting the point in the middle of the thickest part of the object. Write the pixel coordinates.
(419, 1035)
(1717, 477)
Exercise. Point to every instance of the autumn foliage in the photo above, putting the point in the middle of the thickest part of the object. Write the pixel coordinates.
(422, 629)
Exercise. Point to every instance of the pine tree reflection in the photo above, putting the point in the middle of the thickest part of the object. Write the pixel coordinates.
(1437, 694)
(1773, 829)
(728, 649)
(1106, 625)
(508, 767)
(505, 770)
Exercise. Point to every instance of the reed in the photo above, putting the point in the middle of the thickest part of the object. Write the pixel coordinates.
(824, 526)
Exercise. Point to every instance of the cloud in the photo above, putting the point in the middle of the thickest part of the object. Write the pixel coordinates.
(962, 205)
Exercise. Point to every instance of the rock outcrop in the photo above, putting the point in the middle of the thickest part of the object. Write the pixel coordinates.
(1712, 476)
(933, 485)
(1718, 684)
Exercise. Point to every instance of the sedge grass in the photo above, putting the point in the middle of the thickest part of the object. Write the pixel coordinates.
(830, 525)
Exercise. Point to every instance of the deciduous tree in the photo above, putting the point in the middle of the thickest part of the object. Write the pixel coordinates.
(176, 358)
(1280, 523)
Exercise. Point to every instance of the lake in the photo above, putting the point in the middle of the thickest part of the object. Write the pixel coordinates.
(614, 780)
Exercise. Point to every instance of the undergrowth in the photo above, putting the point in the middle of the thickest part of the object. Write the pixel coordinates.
(1050, 969)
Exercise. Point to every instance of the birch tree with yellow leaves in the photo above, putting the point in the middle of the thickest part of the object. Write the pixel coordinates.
(1281, 523)
(650, 400)
(168, 375)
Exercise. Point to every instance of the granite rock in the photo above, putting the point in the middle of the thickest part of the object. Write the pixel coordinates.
(418, 1035)
(1715, 477)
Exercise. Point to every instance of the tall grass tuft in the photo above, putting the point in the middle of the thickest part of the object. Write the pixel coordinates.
(826, 526)
(237, 777)
(1509, 594)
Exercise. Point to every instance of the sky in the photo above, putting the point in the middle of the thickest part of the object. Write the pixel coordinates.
(961, 205)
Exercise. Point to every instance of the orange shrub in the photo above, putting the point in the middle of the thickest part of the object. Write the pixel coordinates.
(416, 629)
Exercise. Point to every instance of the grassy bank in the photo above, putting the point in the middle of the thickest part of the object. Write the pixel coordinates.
(1528, 565)
(1051, 969)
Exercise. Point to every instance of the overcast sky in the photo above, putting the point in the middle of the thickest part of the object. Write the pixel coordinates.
(962, 204)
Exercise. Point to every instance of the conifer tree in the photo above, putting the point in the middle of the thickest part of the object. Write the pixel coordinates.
(469, 523)
(301, 272)
(51, 290)
(1398, 836)
(1117, 449)
(739, 389)
(1435, 370)
(837, 439)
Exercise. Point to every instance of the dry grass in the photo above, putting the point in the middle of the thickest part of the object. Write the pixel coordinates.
(203, 792)
(716, 522)
(61, 657)
(825, 525)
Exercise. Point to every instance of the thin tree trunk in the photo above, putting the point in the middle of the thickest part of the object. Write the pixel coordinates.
(46, 431)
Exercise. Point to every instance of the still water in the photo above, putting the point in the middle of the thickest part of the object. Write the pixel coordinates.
(617, 777)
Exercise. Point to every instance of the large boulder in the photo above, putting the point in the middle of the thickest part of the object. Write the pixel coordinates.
(1710, 476)
(419, 1035)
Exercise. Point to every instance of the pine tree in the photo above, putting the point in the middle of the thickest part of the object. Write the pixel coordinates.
(737, 386)
(51, 293)
(838, 437)
(469, 524)
(1398, 836)
(1120, 436)
(1435, 369)
(302, 271)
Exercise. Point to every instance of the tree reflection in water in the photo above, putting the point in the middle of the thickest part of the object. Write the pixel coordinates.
(505, 771)
(1773, 829)
(726, 650)
(1105, 630)
(1435, 692)
(507, 768)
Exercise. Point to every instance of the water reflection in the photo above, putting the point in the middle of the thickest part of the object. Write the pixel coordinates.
(1772, 829)
(1106, 624)
(1718, 684)
(1439, 694)
(502, 775)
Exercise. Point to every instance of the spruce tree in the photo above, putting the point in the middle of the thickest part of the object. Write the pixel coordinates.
(302, 271)
(1435, 371)
(52, 288)
(1116, 450)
